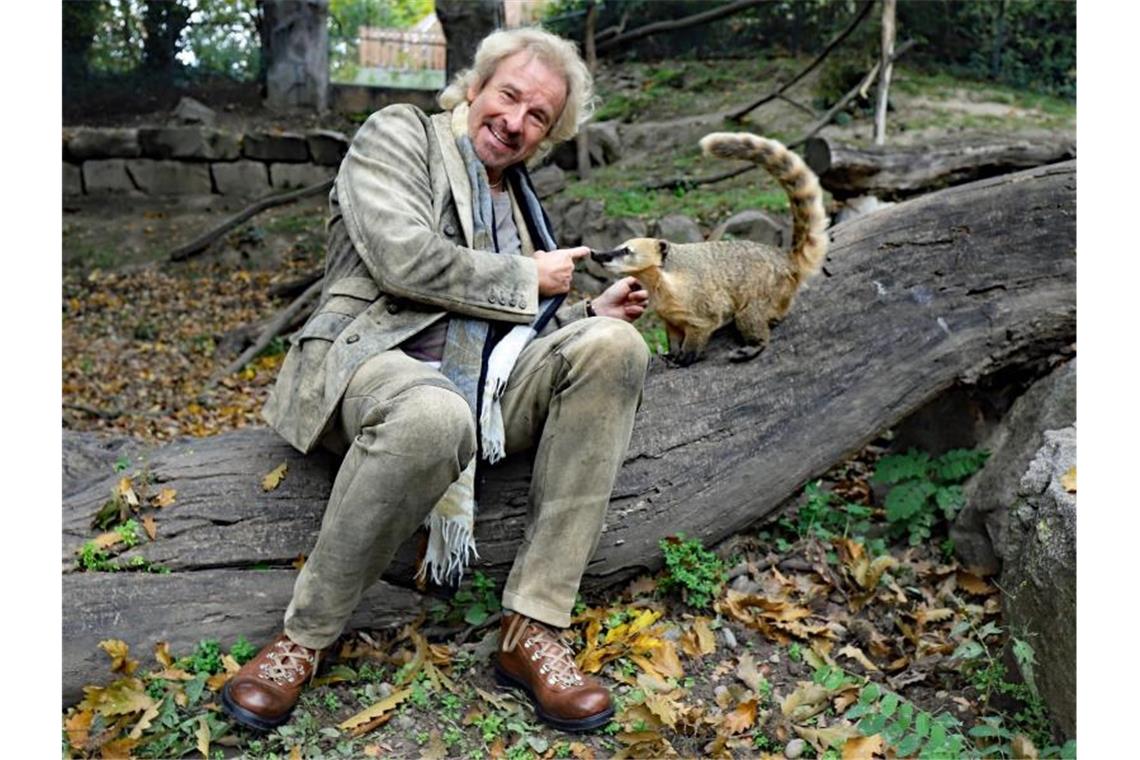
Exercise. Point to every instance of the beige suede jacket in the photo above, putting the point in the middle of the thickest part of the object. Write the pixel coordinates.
(397, 260)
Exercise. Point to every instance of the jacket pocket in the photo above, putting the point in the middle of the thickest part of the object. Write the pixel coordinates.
(350, 295)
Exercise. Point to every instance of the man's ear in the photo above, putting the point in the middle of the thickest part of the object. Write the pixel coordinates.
(473, 91)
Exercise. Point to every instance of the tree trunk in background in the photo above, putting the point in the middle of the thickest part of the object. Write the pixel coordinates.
(80, 22)
(163, 22)
(465, 23)
(946, 289)
(297, 55)
(583, 142)
(886, 53)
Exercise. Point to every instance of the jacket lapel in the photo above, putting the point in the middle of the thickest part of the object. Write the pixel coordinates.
(456, 172)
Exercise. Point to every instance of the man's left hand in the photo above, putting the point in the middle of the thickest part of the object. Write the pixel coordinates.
(625, 299)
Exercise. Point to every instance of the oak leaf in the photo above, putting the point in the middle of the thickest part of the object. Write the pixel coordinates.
(78, 726)
(381, 709)
(855, 653)
(862, 747)
(973, 584)
(126, 491)
(274, 477)
(165, 497)
(747, 672)
(120, 656)
(150, 527)
(740, 719)
(144, 722)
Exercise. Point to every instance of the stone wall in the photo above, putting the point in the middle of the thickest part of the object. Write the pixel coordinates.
(195, 160)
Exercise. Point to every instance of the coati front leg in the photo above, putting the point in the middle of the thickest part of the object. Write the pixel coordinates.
(752, 324)
(692, 345)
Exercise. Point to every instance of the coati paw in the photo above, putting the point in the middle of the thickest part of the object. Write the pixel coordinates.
(745, 353)
(683, 359)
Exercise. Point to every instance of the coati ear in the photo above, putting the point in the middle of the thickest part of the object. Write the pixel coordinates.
(663, 249)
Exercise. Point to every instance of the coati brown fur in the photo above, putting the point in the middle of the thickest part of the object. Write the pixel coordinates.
(696, 288)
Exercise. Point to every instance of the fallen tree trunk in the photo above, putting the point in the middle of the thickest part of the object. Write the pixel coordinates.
(895, 172)
(948, 288)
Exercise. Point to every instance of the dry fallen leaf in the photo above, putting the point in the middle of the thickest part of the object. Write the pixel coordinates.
(144, 722)
(150, 527)
(1069, 480)
(162, 654)
(274, 477)
(120, 656)
(855, 653)
(1022, 747)
(747, 672)
(78, 726)
(862, 747)
(126, 491)
(376, 711)
(740, 719)
(203, 736)
(973, 584)
(165, 497)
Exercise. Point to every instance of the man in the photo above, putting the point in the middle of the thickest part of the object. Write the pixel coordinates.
(440, 268)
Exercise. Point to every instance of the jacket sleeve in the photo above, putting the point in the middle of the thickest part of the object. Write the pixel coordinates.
(385, 192)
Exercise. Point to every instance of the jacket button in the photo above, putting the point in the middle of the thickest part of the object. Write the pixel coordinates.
(352, 338)
(513, 300)
(393, 307)
(449, 230)
(493, 298)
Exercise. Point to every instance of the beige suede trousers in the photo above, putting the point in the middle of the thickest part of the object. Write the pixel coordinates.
(573, 395)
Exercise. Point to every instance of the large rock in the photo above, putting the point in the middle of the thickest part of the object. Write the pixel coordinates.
(84, 143)
(170, 177)
(327, 147)
(604, 147)
(548, 180)
(245, 179)
(1040, 574)
(286, 176)
(189, 142)
(979, 530)
(107, 176)
(267, 146)
(190, 112)
(569, 217)
(756, 225)
(657, 136)
(72, 179)
(678, 228)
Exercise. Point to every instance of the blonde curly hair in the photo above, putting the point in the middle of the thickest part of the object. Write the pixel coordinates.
(557, 53)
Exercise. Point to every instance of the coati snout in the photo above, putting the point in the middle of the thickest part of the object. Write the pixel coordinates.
(634, 255)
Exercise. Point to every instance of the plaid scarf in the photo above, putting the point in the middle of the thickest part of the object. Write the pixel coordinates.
(479, 369)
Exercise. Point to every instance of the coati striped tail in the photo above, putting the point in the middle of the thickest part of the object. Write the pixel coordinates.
(809, 222)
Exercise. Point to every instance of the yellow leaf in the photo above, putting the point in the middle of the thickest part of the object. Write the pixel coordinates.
(121, 697)
(126, 491)
(740, 719)
(203, 736)
(274, 477)
(230, 664)
(807, 700)
(150, 527)
(105, 540)
(78, 725)
(375, 711)
(218, 680)
(747, 672)
(924, 616)
(862, 747)
(1069, 480)
(705, 637)
(144, 722)
(664, 707)
(295, 752)
(119, 653)
(973, 584)
(855, 653)
(581, 751)
(824, 738)
(118, 748)
(165, 497)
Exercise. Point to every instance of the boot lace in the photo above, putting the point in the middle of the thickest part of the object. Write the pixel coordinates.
(556, 658)
(286, 663)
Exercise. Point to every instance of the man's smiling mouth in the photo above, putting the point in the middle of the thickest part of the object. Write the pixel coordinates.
(500, 138)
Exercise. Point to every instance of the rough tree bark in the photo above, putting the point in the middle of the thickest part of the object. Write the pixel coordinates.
(465, 23)
(943, 289)
(297, 56)
(901, 171)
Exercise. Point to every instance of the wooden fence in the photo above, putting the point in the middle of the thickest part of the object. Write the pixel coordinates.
(402, 50)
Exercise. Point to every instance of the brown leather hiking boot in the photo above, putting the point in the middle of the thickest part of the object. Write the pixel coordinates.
(534, 658)
(262, 694)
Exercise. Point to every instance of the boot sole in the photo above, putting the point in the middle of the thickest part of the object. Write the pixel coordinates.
(581, 725)
(248, 719)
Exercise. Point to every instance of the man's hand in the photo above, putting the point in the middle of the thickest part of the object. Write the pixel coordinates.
(625, 299)
(555, 269)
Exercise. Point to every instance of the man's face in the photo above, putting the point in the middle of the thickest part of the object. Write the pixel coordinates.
(513, 111)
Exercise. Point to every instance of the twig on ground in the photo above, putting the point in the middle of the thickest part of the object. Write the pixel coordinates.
(202, 242)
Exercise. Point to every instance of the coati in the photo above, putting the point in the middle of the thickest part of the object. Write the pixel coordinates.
(697, 288)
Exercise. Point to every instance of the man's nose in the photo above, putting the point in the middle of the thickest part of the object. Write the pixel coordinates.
(514, 118)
